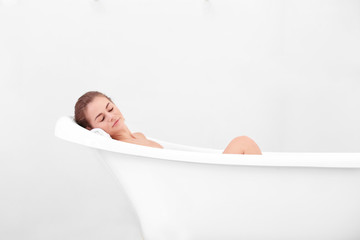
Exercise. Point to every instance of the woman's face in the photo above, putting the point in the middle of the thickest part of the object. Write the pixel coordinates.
(102, 113)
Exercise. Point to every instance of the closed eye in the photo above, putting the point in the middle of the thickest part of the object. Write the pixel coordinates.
(102, 119)
(111, 109)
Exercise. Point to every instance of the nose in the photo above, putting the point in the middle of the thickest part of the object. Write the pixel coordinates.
(111, 117)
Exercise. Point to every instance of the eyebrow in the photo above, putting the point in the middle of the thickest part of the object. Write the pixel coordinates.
(101, 113)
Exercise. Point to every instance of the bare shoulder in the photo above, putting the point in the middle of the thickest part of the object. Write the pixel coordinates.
(142, 140)
(139, 134)
(147, 142)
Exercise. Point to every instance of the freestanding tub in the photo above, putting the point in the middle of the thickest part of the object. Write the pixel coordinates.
(188, 193)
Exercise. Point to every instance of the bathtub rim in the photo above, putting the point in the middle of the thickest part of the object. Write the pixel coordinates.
(68, 130)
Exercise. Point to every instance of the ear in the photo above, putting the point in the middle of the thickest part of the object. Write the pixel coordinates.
(88, 128)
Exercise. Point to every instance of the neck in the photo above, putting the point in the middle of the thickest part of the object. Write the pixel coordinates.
(123, 134)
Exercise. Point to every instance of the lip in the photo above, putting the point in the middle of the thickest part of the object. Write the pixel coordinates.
(116, 122)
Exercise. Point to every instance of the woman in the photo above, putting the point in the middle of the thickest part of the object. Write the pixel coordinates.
(96, 110)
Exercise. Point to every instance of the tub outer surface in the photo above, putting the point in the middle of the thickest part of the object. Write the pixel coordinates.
(189, 193)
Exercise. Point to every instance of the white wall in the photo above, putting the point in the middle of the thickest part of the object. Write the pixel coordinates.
(285, 73)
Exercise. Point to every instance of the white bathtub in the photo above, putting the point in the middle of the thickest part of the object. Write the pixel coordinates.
(189, 193)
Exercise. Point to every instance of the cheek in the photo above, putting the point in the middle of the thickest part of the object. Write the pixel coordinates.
(98, 125)
(118, 111)
(103, 125)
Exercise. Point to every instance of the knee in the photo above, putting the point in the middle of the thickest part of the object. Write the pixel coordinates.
(242, 145)
(242, 139)
(247, 144)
